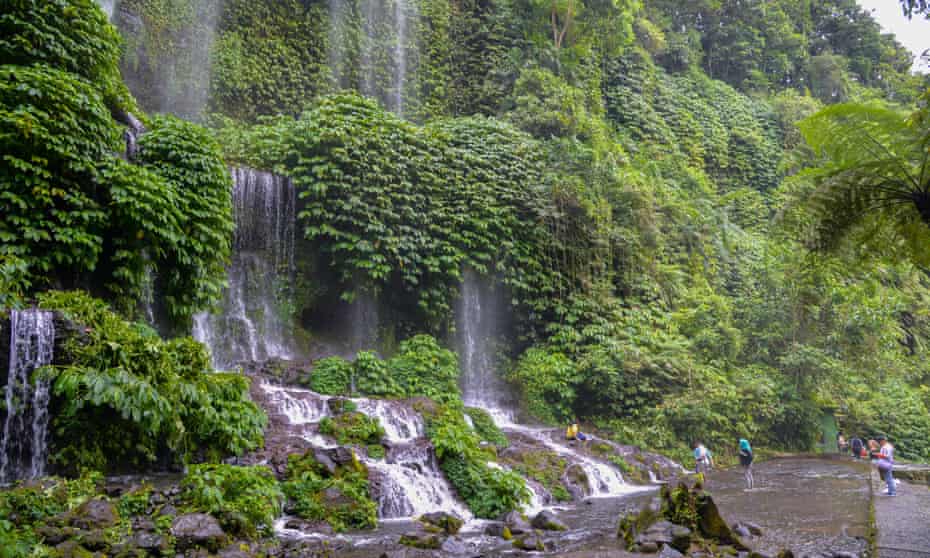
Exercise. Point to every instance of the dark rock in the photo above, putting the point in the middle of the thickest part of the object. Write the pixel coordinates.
(844, 554)
(402, 553)
(498, 529)
(152, 542)
(547, 521)
(515, 522)
(94, 540)
(669, 552)
(239, 550)
(333, 458)
(421, 539)
(455, 546)
(647, 547)
(198, 530)
(168, 510)
(157, 499)
(576, 481)
(143, 524)
(445, 522)
(530, 541)
(94, 514)
(55, 535)
(753, 528)
(339, 405)
(786, 554)
(71, 549)
(681, 538)
(712, 525)
(757, 554)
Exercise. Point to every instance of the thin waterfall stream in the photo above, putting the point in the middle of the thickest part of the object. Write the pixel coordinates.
(23, 446)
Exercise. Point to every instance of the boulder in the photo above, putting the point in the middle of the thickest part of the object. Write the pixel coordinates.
(94, 540)
(198, 530)
(94, 514)
(444, 522)
(498, 529)
(647, 547)
(516, 524)
(547, 521)
(681, 538)
(712, 525)
(333, 458)
(576, 481)
(153, 543)
(753, 528)
(143, 524)
(669, 552)
(741, 530)
(53, 536)
(454, 546)
(529, 541)
(421, 539)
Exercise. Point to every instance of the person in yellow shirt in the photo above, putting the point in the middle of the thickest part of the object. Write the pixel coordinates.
(574, 433)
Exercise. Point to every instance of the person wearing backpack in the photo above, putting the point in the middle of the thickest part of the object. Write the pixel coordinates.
(745, 460)
(702, 458)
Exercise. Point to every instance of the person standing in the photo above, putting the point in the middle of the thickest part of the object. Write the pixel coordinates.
(703, 460)
(886, 464)
(745, 460)
(855, 445)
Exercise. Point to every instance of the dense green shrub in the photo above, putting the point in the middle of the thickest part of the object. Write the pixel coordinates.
(488, 491)
(330, 376)
(246, 500)
(485, 427)
(310, 488)
(126, 396)
(352, 428)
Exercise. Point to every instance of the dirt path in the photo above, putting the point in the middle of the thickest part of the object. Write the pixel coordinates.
(903, 521)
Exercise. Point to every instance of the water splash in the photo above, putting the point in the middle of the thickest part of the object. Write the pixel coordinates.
(480, 322)
(23, 447)
(250, 326)
(409, 478)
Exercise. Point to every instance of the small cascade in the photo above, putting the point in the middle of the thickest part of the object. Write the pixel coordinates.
(249, 326)
(480, 321)
(23, 448)
(409, 480)
(134, 129)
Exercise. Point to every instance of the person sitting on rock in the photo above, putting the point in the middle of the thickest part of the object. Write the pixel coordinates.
(574, 433)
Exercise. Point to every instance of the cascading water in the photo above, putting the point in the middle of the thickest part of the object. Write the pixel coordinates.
(364, 324)
(409, 477)
(108, 6)
(480, 322)
(23, 448)
(384, 34)
(250, 326)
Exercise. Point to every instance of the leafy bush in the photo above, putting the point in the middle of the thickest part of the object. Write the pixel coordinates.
(488, 491)
(310, 488)
(330, 376)
(372, 376)
(352, 428)
(246, 500)
(548, 380)
(424, 369)
(485, 427)
(126, 395)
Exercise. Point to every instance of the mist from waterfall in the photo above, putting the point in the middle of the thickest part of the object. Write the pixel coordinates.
(175, 77)
(481, 319)
(373, 48)
(250, 326)
(23, 445)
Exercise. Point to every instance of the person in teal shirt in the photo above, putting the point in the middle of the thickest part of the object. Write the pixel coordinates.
(745, 460)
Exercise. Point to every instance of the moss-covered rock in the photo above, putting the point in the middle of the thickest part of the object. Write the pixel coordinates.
(421, 539)
(444, 522)
(352, 428)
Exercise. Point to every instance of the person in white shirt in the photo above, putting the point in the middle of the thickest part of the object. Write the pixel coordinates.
(886, 464)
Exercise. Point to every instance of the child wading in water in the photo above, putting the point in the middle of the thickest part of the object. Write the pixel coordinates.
(745, 459)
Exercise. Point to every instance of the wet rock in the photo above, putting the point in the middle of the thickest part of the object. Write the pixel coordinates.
(529, 541)
(168, 511)
(753, 528)
(516, 524)
(498, 529)
(55, 535)
(151, 542)
(71, 549)
(647, 547)
(305, 526)
(756, 554)
(712, 525)
(454, 546)
(444, 522)
(576, 481)
(94, 540)
(669, 552)
(198, 530)
(94, 514)
(236, 550)
(402, 553)
(681, 538)
(143, 524)
(844, 554)
(339, 405)
(741, 531)
(421, 539)
(333, 458)
(547, 521)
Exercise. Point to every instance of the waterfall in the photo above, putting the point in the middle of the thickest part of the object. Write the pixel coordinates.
(249, 326)
(386, 41)
(410, 482)
(23, 448)
(480, 322)
(364, 325)
(108, 7)
(134, 129)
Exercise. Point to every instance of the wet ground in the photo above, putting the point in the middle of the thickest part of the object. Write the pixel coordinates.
(903, 521)
(813, 506)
